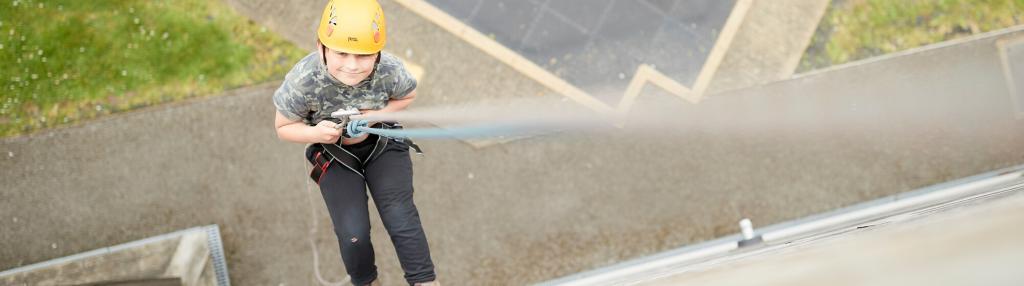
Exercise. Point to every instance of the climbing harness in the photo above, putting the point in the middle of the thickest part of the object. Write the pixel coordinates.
(335, 153)
(329, 153)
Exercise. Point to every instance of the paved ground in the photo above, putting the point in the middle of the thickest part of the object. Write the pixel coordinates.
(598, 45)
(769, 44)
(516, 213)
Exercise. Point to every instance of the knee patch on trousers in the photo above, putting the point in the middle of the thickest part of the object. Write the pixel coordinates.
(353, 240)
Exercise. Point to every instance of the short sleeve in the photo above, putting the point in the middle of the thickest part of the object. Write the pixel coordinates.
(404, 82)
(290, 101)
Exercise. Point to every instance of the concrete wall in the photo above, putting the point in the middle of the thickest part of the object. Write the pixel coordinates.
(184, 258)
(520, 212)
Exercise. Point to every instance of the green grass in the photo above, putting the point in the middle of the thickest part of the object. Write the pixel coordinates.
(857, 29)
(67, 61)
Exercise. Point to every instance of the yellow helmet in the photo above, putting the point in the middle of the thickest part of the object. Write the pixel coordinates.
(353, 26)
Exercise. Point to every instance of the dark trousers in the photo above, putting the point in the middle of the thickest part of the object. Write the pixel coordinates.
(389, 180)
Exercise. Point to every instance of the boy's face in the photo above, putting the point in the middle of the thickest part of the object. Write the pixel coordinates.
(348, 68)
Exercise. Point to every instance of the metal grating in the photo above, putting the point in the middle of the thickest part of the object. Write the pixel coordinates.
(220, 266)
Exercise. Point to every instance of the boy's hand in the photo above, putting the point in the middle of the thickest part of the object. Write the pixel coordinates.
(326, 132)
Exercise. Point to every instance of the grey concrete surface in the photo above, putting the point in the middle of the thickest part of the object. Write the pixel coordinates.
(769, 44)
(976, 244)
(517, 213)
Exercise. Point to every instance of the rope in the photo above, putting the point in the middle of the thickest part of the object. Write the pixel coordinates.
(464, 132)
(313, 230)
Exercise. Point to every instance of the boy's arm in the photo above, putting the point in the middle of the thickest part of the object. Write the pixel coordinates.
(393, 105)
(298, 132)
(399, 104)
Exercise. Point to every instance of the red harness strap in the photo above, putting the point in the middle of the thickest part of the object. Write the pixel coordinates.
(320, 164)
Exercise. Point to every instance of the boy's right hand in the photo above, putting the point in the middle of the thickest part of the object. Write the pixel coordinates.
(326, 132)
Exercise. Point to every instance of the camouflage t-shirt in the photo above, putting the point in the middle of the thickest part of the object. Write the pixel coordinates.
(311, 94)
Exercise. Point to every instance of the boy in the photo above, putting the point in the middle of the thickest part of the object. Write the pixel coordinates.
(350, 71)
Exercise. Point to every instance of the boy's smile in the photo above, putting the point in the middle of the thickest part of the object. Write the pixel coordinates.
(350, 69)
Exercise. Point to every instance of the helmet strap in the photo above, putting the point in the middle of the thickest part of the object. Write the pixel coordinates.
(375, 65)
(323, 52)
